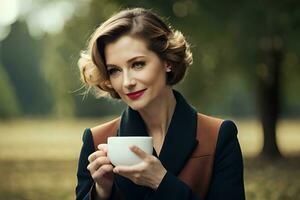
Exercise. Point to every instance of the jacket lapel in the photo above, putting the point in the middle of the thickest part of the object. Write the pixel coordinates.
(180, 140)
(132, 124)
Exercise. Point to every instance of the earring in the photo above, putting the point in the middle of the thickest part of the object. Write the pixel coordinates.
(169, 69)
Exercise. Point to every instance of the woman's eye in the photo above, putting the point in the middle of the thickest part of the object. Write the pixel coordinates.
(138, 64)
(112, 71)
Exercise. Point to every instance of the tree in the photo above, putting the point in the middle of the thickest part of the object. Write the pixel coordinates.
(20, 55)
(9, 105)
(272, 25)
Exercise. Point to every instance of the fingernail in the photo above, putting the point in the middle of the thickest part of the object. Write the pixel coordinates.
(133, 147)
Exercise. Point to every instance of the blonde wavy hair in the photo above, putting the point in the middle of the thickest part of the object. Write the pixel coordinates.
(169, 44)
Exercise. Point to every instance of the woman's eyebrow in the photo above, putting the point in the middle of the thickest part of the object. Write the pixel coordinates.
(128, 61)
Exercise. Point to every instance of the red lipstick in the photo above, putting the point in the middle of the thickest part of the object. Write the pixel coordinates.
(136, 95)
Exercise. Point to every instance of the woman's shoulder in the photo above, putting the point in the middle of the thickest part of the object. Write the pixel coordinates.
(100, 133)
(222, 130)
(222, 126)
(209, 122)
(106, 127)
(227, 132)
(227, 140)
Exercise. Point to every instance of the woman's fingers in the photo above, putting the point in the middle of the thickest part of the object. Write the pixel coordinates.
(102, 171)
(139, 152)
(131, 171)
(102, 147)
(95, 155)
(97, 163)
(101, 152)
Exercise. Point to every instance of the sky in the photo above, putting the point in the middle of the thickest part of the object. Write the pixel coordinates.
(41, 16)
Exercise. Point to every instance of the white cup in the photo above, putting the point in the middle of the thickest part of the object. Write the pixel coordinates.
(119, 152)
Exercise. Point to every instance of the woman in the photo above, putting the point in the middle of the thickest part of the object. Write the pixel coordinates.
(134, 56)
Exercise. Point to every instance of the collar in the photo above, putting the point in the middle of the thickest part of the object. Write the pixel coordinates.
(180, 140)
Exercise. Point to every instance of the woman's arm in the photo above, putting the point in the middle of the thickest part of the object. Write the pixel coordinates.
(228, 177)
(86, 188)
(84, 179)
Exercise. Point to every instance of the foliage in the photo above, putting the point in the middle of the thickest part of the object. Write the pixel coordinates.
(60, 64)
(226, 39)
(20, 56)
(9, 105)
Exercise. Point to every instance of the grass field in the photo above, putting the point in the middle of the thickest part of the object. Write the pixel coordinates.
(38, 159)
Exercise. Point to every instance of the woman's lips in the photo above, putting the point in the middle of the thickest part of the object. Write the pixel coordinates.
(136, 95)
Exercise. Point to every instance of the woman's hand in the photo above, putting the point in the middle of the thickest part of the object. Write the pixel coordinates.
(101, 171)
(149, 172)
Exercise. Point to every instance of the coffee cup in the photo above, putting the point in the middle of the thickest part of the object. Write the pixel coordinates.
(119, 152)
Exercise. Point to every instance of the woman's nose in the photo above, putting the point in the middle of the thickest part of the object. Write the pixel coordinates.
(128, 80)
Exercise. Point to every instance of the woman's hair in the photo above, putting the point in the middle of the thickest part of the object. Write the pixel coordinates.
(170, 45)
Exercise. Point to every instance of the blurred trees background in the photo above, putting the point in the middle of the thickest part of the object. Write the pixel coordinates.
(246, 60)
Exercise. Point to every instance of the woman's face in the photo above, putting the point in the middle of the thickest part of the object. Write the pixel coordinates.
(137, 74)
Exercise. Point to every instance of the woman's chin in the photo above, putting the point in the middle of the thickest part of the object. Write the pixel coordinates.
(137, 105)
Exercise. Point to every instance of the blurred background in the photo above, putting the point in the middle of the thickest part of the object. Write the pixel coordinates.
(246, 68)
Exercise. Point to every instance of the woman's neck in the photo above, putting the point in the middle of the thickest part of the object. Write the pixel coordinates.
(158, 115)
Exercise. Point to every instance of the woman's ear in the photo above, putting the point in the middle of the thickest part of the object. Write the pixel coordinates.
(108, 84)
